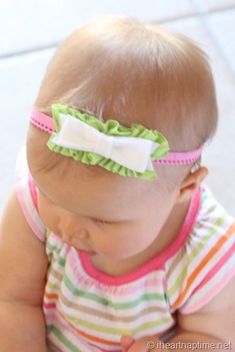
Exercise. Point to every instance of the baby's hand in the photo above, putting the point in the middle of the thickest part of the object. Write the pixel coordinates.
(126, 342)
(144, 344)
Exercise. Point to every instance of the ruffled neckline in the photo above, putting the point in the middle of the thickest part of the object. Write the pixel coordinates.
(154, 263)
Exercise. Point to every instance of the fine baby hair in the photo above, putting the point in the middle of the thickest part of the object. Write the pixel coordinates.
(119, 68)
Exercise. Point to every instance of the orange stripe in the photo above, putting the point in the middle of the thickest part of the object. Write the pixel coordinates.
(91, 337)
(203, 263)
(50, 295)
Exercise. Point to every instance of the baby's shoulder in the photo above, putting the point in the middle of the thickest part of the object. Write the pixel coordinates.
(27, 195)
(205, 263)
(213, 225)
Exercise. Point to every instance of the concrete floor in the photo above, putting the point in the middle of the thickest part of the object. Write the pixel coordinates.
(31, 30)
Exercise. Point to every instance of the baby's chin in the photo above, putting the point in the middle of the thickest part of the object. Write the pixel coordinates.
(118, 265)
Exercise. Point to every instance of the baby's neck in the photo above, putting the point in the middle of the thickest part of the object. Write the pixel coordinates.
(165, 237)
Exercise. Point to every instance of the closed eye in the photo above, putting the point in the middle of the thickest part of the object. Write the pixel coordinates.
(100, 221)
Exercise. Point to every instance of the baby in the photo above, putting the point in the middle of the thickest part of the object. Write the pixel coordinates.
(110, 241)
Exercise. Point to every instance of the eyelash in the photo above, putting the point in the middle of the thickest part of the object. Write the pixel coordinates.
(95, 220)
(102, 222)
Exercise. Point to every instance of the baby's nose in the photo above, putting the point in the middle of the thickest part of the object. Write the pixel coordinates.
(71, 229)
(74, 237)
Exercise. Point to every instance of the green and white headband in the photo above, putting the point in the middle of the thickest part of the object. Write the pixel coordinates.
(128, 151)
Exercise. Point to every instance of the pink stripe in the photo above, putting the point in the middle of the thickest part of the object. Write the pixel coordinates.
(33, 191)
(49, 305)
(61, 321)
(217, 267)
(155, 263)
(133, 289)
(156, 280)
(210, 275)
(50, 316)
(28, 216)
(209, 294)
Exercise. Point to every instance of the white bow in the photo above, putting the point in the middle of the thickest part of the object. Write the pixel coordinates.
(132, 152)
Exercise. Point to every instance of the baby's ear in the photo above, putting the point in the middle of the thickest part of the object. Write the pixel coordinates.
(191, 182)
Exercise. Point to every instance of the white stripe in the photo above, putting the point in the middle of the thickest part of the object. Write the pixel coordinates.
(213, 282)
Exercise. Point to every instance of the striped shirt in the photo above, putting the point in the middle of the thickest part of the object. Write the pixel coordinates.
(87, 310)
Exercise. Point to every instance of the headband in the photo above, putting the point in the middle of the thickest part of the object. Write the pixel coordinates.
(128, 151)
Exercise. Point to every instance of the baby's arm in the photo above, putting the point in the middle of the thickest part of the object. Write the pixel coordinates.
(214, 322)
(23, 266)
(209, 329)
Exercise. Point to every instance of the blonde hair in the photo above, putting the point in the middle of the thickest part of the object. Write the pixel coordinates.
(118, 67)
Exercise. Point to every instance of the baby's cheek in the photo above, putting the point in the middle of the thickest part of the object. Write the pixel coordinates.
(107, 243)
(119, 244)
(48, 217)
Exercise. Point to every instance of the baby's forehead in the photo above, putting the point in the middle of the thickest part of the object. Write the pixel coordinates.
(73, 185)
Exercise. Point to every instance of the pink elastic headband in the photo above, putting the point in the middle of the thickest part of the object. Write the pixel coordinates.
(46, 124)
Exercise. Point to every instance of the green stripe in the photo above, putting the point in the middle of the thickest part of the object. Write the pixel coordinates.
(107, 315)
(54, 330)
(52, 248)
(52, 286)
(105, 302)
(117, 331)
(201, 245)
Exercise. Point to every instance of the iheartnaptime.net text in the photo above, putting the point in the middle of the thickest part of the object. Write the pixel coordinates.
(192, 346)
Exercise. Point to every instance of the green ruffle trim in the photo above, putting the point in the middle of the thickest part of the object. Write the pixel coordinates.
(112, 128)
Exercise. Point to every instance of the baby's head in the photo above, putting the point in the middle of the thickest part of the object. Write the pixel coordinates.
(120, 68)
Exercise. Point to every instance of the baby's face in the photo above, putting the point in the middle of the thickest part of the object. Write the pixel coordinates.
(114, 216)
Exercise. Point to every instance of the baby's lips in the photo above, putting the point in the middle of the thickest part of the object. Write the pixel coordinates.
(88, 252)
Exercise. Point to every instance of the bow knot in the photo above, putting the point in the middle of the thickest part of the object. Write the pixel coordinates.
(132, 152)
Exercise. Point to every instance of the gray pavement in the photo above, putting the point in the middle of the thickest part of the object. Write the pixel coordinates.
(31, 30)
